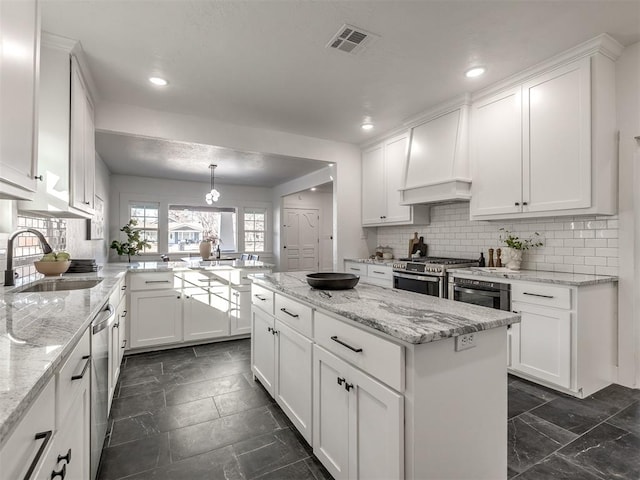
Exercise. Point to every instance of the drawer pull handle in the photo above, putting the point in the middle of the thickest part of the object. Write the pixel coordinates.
(294, 315)
(116, 325)
(354, 349)
(60, 473)
(273, 331)
(537, 295)
(66, 457)
(379, 273)
(260, 297)
(355, 269)
(124, 313)
(124, 287)
(157, 281)
(39, 436)
(124, 344)
(87, 359)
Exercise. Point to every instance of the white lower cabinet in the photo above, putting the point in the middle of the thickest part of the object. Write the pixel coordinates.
(73, 440)
(358, 422)
(263, 349)
(543, 346)
(205, 313)
(281, 360)
(156, 318)
(293, 377)
(240, 311)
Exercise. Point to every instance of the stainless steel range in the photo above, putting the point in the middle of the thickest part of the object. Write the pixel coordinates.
(426, 275)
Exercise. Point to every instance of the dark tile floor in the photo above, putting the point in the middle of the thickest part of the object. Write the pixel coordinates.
(196, 413)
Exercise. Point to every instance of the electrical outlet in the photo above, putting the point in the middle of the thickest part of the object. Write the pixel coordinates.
(466, 341)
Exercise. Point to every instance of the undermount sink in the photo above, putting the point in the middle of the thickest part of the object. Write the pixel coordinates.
(60, 285)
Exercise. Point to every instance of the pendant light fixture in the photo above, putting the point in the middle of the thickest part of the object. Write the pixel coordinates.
(214, 194)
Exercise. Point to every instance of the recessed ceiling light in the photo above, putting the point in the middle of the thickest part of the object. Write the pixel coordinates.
(474, 72)
(367, 126)
(161, 82)
(313, 189)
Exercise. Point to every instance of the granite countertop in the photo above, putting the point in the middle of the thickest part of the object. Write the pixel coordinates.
(372, 261)
(559, 278)
(39, 329)
(196, 264)
(37, 333)
(406, 316)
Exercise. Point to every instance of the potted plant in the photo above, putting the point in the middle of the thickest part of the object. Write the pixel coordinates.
(208, 240)
(134, 244)
(515, 247)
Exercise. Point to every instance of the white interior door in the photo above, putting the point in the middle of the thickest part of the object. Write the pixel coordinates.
(300, 239)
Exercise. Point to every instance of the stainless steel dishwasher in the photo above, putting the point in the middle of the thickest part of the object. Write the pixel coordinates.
(100, 328)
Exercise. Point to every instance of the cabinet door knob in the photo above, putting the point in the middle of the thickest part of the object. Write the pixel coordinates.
(517, 204)
(348, 386)
(60, 473)
(525, 203)
(86, 203)
(39, 177)
(178, 296)
(66, 457)
(124, 313)
(341, 381)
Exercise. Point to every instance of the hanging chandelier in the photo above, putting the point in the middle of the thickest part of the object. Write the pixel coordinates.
(214, 194)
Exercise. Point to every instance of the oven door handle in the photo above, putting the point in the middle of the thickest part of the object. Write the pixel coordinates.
(419, 278)
(484, 293)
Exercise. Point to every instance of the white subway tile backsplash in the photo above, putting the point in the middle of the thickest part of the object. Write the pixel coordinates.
(606, 252)
(597, 243)
(571, 244)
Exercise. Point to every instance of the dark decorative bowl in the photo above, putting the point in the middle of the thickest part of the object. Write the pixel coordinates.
(332, 281)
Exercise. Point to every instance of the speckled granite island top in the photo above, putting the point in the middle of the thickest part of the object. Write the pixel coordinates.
(558, 278)
(406, 316)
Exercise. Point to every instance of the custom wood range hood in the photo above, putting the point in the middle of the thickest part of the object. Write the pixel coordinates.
(437, 167)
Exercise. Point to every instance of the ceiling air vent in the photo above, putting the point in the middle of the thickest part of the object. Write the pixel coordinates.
(351, 39)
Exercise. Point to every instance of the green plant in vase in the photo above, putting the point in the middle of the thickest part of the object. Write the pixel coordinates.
(134, 244)
(515, 247)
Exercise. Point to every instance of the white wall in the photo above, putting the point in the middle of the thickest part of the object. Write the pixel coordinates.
(349, 239)
(628, 111)
(125, 188)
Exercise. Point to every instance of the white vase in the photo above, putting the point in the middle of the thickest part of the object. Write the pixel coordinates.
(205, 250)
(512, 258)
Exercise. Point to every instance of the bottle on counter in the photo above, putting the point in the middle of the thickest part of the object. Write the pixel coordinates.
(218, 252)
(481, 261)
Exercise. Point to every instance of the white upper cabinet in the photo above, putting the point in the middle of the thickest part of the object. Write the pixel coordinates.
(83, 152)
(547, 145)
(20, 39)
(383, 167)
(66, 163)
(438, 160)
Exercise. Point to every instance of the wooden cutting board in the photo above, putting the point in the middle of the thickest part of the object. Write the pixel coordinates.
(413, 244)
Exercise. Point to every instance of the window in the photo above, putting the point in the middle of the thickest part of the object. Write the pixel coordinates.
(189, 225)
(254, 229)
(146, 214)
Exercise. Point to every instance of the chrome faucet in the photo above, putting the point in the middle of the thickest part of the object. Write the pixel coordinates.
(46, 248)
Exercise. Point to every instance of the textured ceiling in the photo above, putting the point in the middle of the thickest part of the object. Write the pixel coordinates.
(264, 63)
(189, 161)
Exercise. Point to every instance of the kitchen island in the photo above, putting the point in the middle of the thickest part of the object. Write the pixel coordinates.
(385, 383)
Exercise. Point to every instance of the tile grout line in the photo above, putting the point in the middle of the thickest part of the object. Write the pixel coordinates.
(574, 440)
